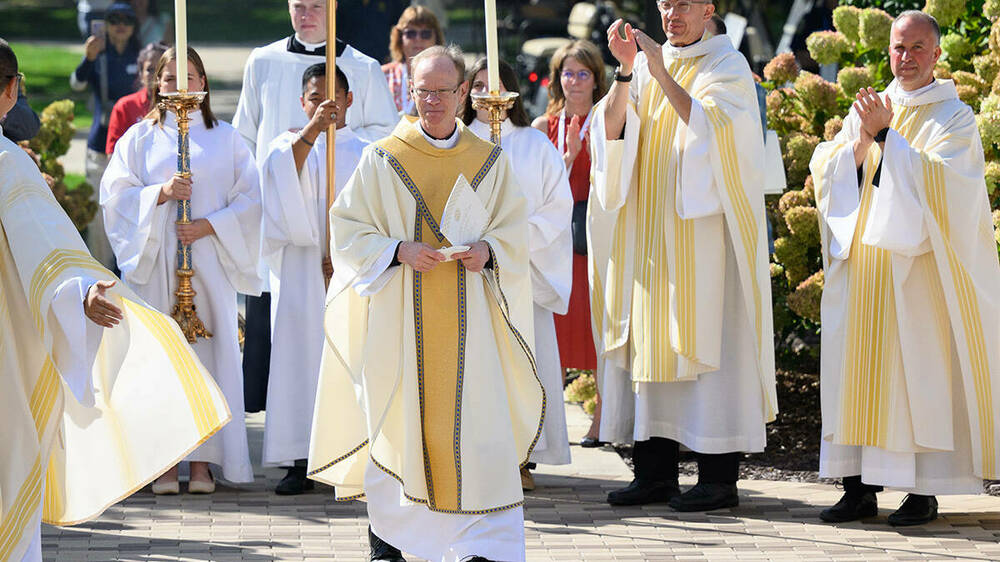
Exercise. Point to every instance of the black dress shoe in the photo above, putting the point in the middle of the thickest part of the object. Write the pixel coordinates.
(642, 492)
(294, 482)
(706, 497)
(478, 559)
(591, 443)
(851, 507)
(381, 551)
(916, 510)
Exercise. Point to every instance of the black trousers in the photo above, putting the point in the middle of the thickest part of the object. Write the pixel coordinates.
(256, 352)
(656, 460)
(855, 487)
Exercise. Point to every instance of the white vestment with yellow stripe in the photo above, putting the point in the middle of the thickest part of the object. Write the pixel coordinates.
(680, 289)
(911, 316)
(140, 400)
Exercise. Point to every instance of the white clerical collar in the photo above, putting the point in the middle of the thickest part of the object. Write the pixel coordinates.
(449, 142)
(936, 91)
(706, 44)
(309, 46)
(482, 129)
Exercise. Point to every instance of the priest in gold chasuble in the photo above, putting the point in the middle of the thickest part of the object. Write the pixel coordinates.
(428, 400)
(679, 268)
(911, 305)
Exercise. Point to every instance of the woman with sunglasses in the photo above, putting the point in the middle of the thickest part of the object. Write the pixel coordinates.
(417, 29)
(110, 70)
(576, 82)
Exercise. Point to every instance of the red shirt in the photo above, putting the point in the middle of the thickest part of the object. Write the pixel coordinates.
(127, 112)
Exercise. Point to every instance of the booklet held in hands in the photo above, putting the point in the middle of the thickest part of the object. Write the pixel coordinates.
(464, 219)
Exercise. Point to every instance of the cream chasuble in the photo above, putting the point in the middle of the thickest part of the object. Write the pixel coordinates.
(225, 191)
(455, 411)
(542, 175)
(139, 398)
(680, 289)
(293, 235)
(910, 311)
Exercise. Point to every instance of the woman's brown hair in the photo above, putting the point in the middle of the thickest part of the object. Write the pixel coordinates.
(414, 15)
(587, 54)
(517, 115)
(194, 60)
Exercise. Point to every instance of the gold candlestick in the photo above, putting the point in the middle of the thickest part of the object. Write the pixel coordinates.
(184, 312)
(496, 104)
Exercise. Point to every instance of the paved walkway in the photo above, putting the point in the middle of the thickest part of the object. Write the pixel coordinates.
(566, 519)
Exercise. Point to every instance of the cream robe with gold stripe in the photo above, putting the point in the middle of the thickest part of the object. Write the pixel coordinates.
(145, 402)
(910, 306)
(679, 268)
(430, 376)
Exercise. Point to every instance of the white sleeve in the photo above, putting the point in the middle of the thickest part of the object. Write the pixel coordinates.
(378, 110)
(613, 162)
(896, 220)
(838, 196)
(75, 338)
(247, 117)
(289, 199)
(697, 192)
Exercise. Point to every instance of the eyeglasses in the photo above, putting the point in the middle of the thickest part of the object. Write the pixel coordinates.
(425, 34)
(675, 7)
(120, 20)
(425, 94)
(581, 76)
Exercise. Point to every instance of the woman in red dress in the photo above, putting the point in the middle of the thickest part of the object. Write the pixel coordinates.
(576, 82)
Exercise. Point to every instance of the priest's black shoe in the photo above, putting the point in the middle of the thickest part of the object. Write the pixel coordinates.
(916, 510)
(294, 482)
(851, 507)
(641, 492)
(706, 497)
(478, 559)
(381, 551)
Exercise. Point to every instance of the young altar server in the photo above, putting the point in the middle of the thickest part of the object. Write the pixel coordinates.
(139, 194)
(428, 400)
(138, 397)
(545, 182)
(910, 310)
(678, 238)
(293, 178)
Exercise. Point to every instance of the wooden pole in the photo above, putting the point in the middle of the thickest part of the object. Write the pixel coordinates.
(331, 132)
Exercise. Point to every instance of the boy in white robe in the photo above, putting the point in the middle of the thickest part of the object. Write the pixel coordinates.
(911, 319)
(543, 177)
(680, 278)
(293, 180)
(66, 323)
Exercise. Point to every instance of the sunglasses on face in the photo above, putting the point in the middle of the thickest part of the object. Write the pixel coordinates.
(581, 76)
(119, 20)
(425, 34)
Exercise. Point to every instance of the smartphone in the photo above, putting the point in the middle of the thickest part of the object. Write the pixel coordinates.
(621, 32)
(97, 28)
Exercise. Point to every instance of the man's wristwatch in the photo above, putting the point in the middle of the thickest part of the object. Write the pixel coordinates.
(881, 135)
(619, 77)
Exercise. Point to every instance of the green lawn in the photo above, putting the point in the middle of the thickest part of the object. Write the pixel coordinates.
(46, 76)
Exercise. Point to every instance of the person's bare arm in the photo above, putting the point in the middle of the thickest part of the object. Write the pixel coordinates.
(624, 50)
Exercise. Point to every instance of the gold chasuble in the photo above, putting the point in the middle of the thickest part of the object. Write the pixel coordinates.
(912, 283)
(136, 410)
(430, 375)
(670, 200)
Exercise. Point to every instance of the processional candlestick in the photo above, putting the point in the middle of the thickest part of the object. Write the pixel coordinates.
(496, 103)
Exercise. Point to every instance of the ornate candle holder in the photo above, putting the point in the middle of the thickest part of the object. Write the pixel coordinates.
(497, 104)
(184, 312)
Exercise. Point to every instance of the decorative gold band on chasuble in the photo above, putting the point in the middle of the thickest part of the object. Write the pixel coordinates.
(658, 282)
(439, 302)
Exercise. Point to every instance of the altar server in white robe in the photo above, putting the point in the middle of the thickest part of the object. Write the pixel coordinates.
(100, 392)
(139, 194)
(679, 260)
(293, 180)
(543, 178)
(911, 302)
(434, 431)
(268, 107)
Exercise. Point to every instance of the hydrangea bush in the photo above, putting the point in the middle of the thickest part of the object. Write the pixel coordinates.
(805, 109)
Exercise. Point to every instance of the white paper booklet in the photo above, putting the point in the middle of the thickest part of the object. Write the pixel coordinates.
(465, 218)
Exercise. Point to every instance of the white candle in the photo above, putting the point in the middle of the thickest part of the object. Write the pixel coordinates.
(492, 52)
(181, 44)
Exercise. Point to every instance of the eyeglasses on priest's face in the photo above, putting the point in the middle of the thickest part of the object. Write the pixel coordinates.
(426, 94)
(580, 76)
(425, 34)
(682, 7)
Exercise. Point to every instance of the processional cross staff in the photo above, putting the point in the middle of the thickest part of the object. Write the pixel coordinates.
(182, 103)
(331, 131)
(494, 102)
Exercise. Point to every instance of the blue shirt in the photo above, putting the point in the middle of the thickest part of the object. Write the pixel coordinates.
(122, 71)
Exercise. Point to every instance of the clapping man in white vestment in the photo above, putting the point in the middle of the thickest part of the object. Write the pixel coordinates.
(268, 107)
(139, 398)
(678, 235)
(293, 179)
(428, 400)
(910, 366)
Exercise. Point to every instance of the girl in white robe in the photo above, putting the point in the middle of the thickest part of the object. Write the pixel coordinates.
(543, 177)
(139, 200)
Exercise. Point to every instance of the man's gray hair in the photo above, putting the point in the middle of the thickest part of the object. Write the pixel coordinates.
(923, 16)
(451, 52)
